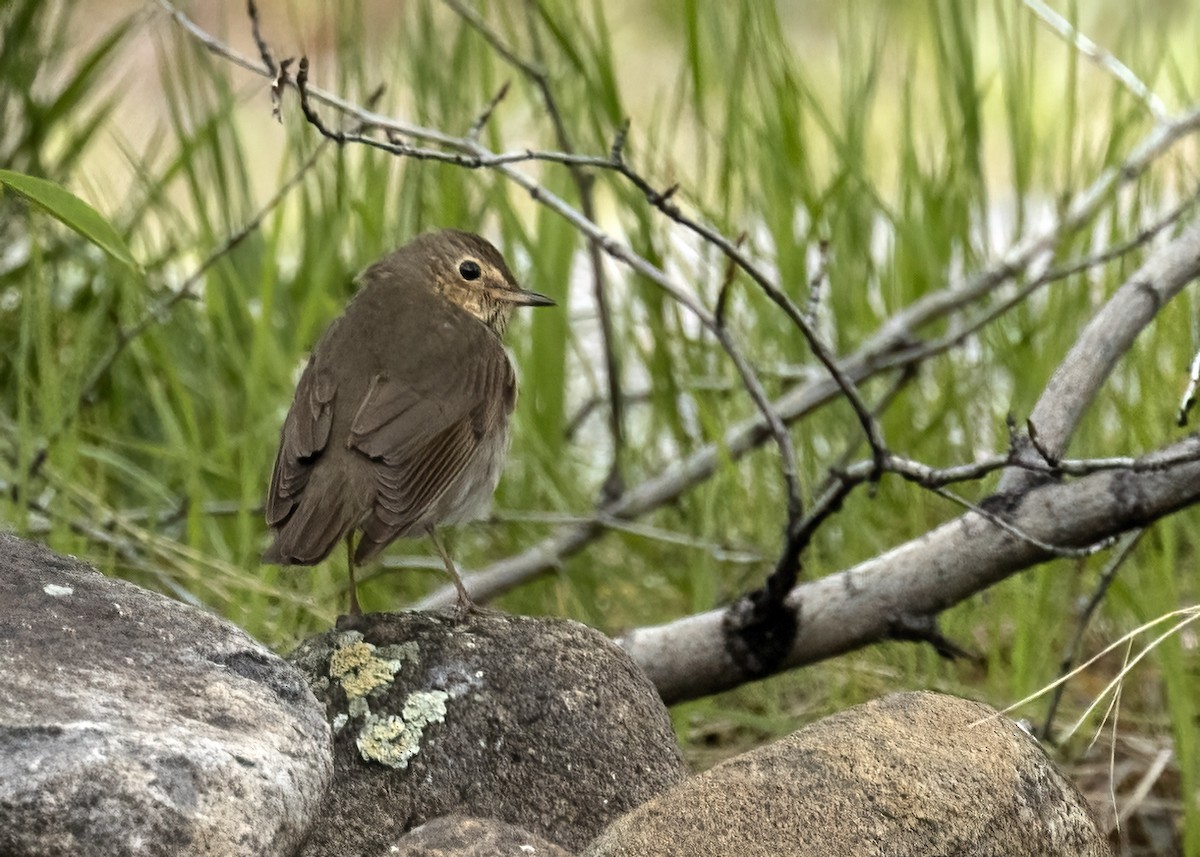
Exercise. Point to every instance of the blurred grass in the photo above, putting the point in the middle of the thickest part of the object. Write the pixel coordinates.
(912, 140)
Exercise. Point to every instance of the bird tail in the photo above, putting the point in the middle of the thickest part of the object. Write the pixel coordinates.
(319, 520)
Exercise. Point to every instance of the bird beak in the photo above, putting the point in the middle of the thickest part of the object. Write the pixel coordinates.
(522, 297)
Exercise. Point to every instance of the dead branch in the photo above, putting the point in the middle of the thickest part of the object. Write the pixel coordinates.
(688, 658)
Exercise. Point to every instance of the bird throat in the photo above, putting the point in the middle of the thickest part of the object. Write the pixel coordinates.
(495, 314)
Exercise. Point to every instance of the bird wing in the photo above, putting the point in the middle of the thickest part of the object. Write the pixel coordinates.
(304, 436)
(421, 437)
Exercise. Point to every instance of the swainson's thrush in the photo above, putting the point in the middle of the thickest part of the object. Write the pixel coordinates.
(400, 420)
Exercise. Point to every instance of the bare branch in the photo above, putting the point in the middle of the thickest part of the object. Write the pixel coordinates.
(900, 327)
(1100, 57)
(480, 123)
(687, 658)
(264, 51)
(1102, 343)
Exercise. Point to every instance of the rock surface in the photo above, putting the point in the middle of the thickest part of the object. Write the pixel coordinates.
(460, 836)
(132, 724)
(911, 774)
(542, 723)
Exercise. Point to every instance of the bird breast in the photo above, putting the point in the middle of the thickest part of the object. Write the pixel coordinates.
(470, 496)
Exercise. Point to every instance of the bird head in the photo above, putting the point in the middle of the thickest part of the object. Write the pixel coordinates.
(468, 271)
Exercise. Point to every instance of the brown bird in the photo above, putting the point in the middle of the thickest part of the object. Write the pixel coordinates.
(400, 420)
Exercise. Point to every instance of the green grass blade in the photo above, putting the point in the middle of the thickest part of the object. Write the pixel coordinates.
(71, 211)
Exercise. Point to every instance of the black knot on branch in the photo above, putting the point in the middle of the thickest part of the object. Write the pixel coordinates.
(759, 631)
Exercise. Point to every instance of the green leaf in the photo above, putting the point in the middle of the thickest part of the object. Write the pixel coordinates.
(72, 211)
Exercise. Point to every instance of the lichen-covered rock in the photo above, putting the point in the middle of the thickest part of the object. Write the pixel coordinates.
(460, 836)
(542, 723)
(132, 724)
(910, 775)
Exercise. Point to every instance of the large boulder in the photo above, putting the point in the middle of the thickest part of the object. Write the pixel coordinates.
(911, 774)
(132, 724)
(542, 723)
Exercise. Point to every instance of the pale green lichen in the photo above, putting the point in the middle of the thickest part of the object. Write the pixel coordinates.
(425, 707)
(393, 740)
(366, 671)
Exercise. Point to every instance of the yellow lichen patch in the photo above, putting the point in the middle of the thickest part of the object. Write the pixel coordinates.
(393, 740)
(348, 657)
(359, 671)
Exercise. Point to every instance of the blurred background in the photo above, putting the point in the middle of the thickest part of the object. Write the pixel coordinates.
(870, 152)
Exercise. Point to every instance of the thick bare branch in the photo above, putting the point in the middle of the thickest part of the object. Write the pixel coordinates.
(1102, 343)
(687, 658)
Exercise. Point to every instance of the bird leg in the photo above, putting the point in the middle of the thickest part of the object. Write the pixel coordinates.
(355, 610)
(465, 604)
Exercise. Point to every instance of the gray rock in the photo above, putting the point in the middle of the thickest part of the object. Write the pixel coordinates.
(911, 774)
(542, 723)
(460, 836)
(132, 724)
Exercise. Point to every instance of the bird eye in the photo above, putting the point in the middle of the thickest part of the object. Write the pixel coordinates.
(470, 270)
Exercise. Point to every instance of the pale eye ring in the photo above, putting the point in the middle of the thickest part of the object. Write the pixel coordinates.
(469, 269)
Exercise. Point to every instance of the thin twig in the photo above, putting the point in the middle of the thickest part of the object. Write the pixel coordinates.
(1107, 576)
(816, 283)
(278, 72)
(718, 551)
(481, 121)
(278, 84)
(1100, 57)
(661, 201)
(264, 50)
(727, 285)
